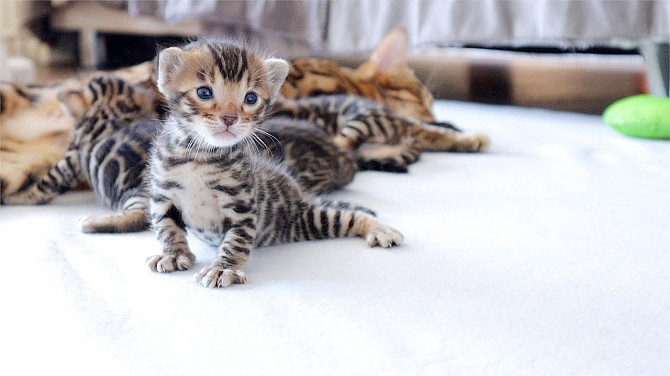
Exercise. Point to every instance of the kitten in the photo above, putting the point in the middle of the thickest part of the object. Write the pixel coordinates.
(35, 129)
(206, 178)
(27, 148)
(352, 121)
(108, 150)
(385, 78)
(117, 141)
(308, 154)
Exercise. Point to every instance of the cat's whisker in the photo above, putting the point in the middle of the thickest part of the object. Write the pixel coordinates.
(253, 142)
(274, 139)
(257, 139)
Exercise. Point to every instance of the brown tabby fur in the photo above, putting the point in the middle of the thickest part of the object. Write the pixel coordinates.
(385, 78)
(35, 128)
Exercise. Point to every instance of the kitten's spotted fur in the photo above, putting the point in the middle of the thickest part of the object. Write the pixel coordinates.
(35, 129)
(385, 79)
(206, 178)
(108, 150)
(353, 121)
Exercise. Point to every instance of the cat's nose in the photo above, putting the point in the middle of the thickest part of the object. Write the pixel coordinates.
(228, 119)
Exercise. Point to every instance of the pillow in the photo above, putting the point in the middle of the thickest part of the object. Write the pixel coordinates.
(641, 115)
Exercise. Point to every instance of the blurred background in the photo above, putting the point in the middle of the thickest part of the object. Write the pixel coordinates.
(576, 55)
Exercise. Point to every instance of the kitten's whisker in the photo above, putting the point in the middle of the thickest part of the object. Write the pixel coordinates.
(251, 141)
(274, 139)
(259, 140)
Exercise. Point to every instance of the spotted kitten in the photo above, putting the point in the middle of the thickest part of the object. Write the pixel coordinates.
(391, 124)
(108, 150)
(205, 176)
(379, 137)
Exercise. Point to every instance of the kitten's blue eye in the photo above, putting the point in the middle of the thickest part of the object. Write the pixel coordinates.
(251, 98)
(204, 92)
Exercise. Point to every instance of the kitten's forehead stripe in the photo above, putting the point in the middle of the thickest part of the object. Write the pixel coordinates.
(217, 59)
(231, 61)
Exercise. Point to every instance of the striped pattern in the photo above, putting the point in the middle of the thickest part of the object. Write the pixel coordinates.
(352, 121)
(400, 90)
(109, 149)
(309, 155)
(233, 197)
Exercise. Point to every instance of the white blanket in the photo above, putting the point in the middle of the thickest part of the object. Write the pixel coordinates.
(547, 255)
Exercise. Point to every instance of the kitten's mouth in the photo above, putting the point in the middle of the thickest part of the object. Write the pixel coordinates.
(223, 132)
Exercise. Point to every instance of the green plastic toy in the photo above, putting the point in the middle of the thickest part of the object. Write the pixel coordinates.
(643, 115)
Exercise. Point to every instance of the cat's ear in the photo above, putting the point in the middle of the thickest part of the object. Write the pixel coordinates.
(391, 54)
(75, 102)
(277, 72)
(170, 63)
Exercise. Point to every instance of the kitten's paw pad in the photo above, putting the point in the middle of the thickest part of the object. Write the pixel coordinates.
(215, 276)
(384, 236)
(170, 262)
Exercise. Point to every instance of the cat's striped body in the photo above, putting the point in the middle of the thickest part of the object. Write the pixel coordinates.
(308, 153)
(387, 81)
(352, 121)
(108, 150)
(206, 178)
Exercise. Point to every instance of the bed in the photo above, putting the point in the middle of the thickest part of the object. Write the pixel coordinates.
(547, 255)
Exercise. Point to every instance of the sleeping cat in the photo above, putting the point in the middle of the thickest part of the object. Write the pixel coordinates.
(206, 178)
(108, 150)
(385, 79)
(27, 148)
(392, 142)
(35, 129)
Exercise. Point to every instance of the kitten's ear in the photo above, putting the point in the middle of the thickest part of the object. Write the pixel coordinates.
(170, 63)
(75, 102)
(391, 54)
(277, 72)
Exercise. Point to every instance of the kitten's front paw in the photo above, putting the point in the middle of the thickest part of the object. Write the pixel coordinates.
(216, 276)
(386, 165)
(383, 236)
(473, 142)
(166, 263)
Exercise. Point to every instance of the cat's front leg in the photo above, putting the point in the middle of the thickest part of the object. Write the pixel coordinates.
(170, 230)
(389, 158)
(59, 179)
(231, 258)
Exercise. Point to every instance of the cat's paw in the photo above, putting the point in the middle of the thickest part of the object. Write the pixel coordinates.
(385, 165)
(167, 263)
(473, 142)
(216, 276)
(384, 236)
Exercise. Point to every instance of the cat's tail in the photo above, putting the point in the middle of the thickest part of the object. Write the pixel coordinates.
(132, 217)
(122, 221)
(336, 219)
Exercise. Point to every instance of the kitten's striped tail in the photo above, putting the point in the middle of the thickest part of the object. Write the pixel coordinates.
(132, 218)
(335, 219)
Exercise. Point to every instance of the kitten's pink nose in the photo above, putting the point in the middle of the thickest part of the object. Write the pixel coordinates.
(228, 119)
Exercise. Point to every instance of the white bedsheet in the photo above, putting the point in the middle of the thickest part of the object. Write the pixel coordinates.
(548, 255)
